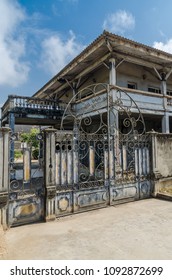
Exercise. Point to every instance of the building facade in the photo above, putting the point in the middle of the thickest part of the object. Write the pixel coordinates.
(103, 113)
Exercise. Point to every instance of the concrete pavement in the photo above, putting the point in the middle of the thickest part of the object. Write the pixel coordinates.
(136, 230)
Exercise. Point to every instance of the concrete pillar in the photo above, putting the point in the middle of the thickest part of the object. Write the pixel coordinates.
(154, 168)
(4, 175)
(112, 72)
(164, 92)
(165, 118)
(113, 112)
(113, 118)
(165, 123)
(50, 174)
(4, 159)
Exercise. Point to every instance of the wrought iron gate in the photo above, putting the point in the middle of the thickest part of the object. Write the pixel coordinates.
(99, 156)
(96, 162)
(26, 195)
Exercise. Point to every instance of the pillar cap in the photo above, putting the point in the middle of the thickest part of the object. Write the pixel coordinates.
(49, 129)
(5, 129)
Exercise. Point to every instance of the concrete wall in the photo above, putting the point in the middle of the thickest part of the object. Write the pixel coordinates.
(164, 154)
(161, 161)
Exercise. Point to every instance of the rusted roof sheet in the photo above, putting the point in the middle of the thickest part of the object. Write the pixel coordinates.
(97, 49)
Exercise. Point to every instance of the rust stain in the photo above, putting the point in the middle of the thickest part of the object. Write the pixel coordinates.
(27, 209)
(63, 204)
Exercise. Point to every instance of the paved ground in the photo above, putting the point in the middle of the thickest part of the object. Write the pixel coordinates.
(2, 243)
(137, 230)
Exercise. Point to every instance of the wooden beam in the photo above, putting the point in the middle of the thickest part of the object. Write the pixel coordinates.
(85, 71)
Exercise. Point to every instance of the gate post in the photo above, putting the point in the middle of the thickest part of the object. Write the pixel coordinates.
(4, 175)
(50, 174)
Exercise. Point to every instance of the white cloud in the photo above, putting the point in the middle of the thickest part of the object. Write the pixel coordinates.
(56, 52)
(70, 1)
(119, 22)
(167, 47)
(13, 70)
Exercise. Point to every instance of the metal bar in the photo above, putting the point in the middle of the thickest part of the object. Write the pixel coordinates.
(58, 177)
(136, 163)
(144, 161)
(147, 161)
(92, 161)
(75, 167)
(140, 161)
(69, 166)
(106, 167)
(75, 156)
(26, 164)
(64, 168)
(124, 156)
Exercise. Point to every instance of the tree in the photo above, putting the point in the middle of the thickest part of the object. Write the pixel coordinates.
(31, 139)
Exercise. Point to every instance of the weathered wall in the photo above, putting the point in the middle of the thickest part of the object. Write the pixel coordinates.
(164, 154)
(161, 161)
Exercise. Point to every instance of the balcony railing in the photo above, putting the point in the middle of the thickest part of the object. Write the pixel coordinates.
(16, 104)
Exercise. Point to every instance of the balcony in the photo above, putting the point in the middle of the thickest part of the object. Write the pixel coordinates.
(149, 103)
(30, 110)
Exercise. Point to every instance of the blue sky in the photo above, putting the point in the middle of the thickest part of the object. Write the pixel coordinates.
(39, 37)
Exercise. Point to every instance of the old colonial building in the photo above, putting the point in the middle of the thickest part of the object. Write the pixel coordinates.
(142, 71)
(103, 111)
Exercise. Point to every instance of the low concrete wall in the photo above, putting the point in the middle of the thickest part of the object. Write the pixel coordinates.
(161, 160)
(164, 155)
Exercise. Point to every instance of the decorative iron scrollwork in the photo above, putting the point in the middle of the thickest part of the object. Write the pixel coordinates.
(103, 150)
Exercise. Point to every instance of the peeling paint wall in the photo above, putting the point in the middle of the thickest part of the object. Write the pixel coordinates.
(164, 155)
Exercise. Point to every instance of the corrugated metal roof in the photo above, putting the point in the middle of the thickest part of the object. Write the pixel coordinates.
(97, 44)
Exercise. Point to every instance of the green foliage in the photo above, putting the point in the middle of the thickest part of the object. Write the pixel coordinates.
(35, 153)
(31, 138)
(17, 154)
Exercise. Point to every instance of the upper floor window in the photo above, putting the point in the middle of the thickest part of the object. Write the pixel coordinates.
(169, 92)
(154, 89)
(132, 85)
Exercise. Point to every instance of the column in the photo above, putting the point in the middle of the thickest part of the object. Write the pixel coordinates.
(165, 118)
(50, 173)
(113, 122)
(112, 72)
(4, 175)
(165, 123)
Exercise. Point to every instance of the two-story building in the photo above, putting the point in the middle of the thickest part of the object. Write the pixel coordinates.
(96, 151)
(141, 71)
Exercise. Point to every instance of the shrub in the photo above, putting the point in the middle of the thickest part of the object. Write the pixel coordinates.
(18, 154)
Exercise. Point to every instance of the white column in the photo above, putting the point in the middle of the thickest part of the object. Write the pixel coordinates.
(165, 118)
(112, 72)
(114, 118)
(165, 123)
